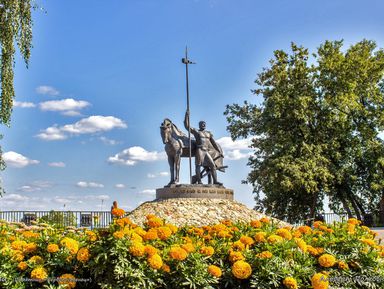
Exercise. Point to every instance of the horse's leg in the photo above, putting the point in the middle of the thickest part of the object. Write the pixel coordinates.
(177, 167)
(171, 162)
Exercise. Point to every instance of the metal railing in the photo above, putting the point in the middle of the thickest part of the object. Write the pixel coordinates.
(91, 219)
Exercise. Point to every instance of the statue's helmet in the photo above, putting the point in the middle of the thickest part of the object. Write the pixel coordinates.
(202, 124)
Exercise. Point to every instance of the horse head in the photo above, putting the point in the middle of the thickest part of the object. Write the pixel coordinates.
(166, 130)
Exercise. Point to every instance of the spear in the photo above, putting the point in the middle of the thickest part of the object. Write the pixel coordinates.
(186, 61)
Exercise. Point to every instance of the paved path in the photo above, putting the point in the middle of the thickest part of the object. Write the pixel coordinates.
(380, 232)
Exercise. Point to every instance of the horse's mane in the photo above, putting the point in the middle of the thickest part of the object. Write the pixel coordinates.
(177, 131)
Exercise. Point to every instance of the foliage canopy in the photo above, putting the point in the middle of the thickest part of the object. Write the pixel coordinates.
(316, 132)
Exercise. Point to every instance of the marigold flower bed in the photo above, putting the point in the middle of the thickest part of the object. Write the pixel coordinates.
(159, 255)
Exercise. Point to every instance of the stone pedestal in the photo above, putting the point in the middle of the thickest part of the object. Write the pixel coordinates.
(194, 191)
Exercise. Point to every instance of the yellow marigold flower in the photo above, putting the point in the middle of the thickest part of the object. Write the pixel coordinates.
(301, 244)
(91, 236)
(30, 247)
(39, 274)
(37, 260)
(214, 271)
(224, 234)
(18, 245)
(164, 232)
(265, 220)
(274, 239)
(327, 260)
(135, 237)
(296, 234)
(207, 237)
(178, 253)
(140, 231)
(256, 224)
(120, 222)
(351, 229)
(317, 224)
(260, 237)
(187, 239)
(150, 216)
(22, 266)
(188, 247)
(151, 235)
(353, 221)
(219, 227)
(155, 222)
(368, 242)
(165, 268)
(247, 240)
(207, 250)
(320, 281)
(117, 212)
(235, 256)
(52, 248)
(83, 255)
(68, 280)
(323, 228)
(239, 246)
(342, 265)
(196, 231)
(118, 234)
(173, 228)
(30, 234)
(264, 255)
(155, 261)
(71, 244)
(137, 249)
(150, 250)
(284, 233)
(290, 283)
(241, 270)
(17, 255)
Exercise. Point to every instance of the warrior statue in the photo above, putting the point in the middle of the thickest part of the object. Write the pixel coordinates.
(206, 146)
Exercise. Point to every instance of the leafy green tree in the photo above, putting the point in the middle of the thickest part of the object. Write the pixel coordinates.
(316, 132)
(59, 218)
(15, 28)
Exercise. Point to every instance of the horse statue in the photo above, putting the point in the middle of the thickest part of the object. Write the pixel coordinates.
(177, 146)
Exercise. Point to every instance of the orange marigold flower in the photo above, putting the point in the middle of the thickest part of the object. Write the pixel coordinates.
(317, 224)
(22, 266)
(117, 212)
(320, 281)
(30, 234)
(18, 245)
(165, 268)
(342, 265)
(235, 256)
(351, 228)
(214, 271)
(118, 234)
(91, 236)
(207, 250)
(155, 261)
(164, 232)
(264, 255)
(178, 253)
(137, 249)
(305, 230)
(260, 237)
(155, 222)
(247, 240)
(151, 235)
(173, 228)
(30, 247)
(327, 260)
(301, 244)
(120, 222)
(83, 255)
(224, 234)
(17, 255)
(188, 247)
(290, 282)
(141, 232)
(68, 280)
(368, 242)
(226, 222)
(196, 231)
(353, 221)
(284, 233)
(256, 224)
(241, 270)
(39, 274)
(36, 260)
(265, 220)
(150, 250)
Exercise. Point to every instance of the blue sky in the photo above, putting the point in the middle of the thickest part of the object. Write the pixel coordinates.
(104, 74)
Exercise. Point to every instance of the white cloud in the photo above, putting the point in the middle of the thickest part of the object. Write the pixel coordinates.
(89, 125)
(71, 113)
(119, 186)
(17, 160)
(148, 192)
(35, 186)
(47, 90)
(14, 198)
(108, 141)
(161, 174)
(227, 143)
(63, 105)
(236, 155)
(83, 184)
(23, 104)
(57, 164)
(132, 155)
